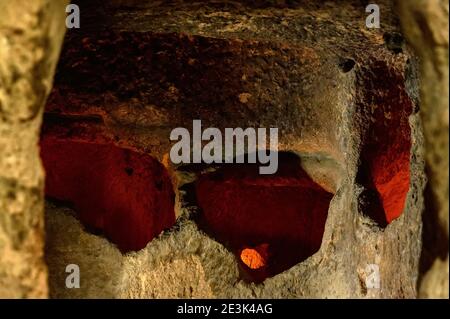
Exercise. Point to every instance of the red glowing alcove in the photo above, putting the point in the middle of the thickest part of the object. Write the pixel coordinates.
(123, 194)
(271, 222)
(386, 148)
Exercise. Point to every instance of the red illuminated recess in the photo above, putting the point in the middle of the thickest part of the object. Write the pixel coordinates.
(270, 222)
(386, 149)
(386, 165)
(391, 178)
(125, 195)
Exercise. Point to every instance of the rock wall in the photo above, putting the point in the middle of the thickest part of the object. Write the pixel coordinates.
(31, 35)
(425, 23)
(345, 100)
(344, 97)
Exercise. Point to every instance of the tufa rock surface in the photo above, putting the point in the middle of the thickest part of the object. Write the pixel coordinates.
(345, 100)
(425, 24)
(31, 35)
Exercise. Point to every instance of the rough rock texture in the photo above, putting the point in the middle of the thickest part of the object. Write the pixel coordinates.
(345, 100)
(425, 24)
(31, 34)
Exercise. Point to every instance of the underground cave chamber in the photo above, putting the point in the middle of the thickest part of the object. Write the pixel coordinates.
(117, 94)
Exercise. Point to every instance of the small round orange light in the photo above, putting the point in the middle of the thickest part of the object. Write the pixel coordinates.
(252, 258)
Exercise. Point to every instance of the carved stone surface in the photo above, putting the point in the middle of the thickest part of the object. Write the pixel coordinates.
(344, 97)
(349, 108)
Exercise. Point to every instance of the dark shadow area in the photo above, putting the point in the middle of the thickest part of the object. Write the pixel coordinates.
(434, 238)
(370, 201)
(346, 65)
